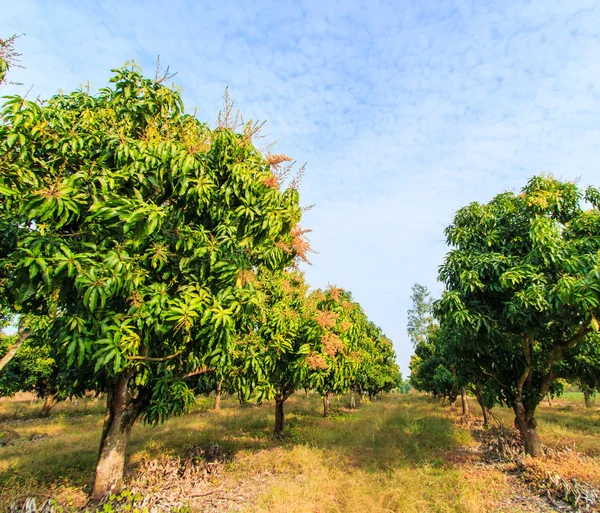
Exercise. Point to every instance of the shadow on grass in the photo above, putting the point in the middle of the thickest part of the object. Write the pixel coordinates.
(394, 432)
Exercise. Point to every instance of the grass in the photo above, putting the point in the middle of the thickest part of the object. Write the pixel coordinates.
(400, 454)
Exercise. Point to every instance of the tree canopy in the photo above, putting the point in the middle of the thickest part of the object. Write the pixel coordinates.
(133, 226)
(523, 288)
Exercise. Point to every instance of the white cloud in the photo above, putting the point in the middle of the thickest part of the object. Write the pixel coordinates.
(403, 111)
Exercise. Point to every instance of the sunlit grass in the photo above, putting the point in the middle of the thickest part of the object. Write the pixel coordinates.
(390, 455)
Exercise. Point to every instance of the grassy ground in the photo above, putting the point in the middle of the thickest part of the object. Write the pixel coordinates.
(400, 454)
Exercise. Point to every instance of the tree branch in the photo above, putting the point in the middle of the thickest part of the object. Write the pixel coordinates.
(555, 355)
(12, 350)
(201, 370)
(150, 359)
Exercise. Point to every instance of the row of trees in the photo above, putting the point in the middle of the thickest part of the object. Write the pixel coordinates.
(519, 316)
(148, 257)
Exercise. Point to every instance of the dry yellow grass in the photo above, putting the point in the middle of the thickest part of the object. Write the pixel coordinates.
(401, 454)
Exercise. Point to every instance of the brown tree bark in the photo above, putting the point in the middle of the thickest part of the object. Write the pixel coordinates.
(587, 398)
(121, 413)
(478, 392)
(217, 405)
(280, 399)
(352, 400)
(526, 424)
(464, 400)
(326, 403)
(279, 416)
(49, 403)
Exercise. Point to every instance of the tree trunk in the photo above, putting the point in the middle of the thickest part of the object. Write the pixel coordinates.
(464, 400)
(587, 398)
(49, 403)
(306, 391)
(121, 413)
(326, 403)
(217, 405)
(12, 350)
(352, 400)
(526, 424)
(485, 412)
(549, 402)
(279, 416)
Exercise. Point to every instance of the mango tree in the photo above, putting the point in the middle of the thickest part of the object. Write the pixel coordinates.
(377, 370)
(131, 224)
(334, 331)
(523, 288)
(276, 349)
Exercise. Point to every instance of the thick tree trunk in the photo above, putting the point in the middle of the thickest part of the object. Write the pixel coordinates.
(217, 405)
(49, 403)
(326, 403)
(280, 399)
(465, 401)
(526, 424)
(587, 398)
(121, 413)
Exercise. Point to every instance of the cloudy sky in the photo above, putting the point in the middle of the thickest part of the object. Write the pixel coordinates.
(403, 111)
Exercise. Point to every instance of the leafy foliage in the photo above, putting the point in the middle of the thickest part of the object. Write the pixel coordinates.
(523, 287)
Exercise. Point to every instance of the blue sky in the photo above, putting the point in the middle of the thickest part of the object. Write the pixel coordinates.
(403, 111)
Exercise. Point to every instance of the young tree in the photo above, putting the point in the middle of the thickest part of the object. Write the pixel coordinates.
(130, 224)
(523, 288)
(335, 332)
(431, 369)
(276, 348)
(420, 317)
(377, 370)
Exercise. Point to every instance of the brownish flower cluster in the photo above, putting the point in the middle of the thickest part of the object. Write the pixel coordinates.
(271, 181)
(347, 305)
(135, 299)
(332, 343)
(246, 276)
(287, 287)
(335, 293)
(326, 319)
(300, 243)
(275, 161)
(345, 325)
(315, 361)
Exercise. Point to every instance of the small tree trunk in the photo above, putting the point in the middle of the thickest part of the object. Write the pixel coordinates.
(464, 400)
(326, 403)
(306, 391)
(121, 413)
(352, 400)
(279, 416)
(549, 403)
(49, 403)
(217, 405)
(587, 398)
(479, 396)
(526, 424)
